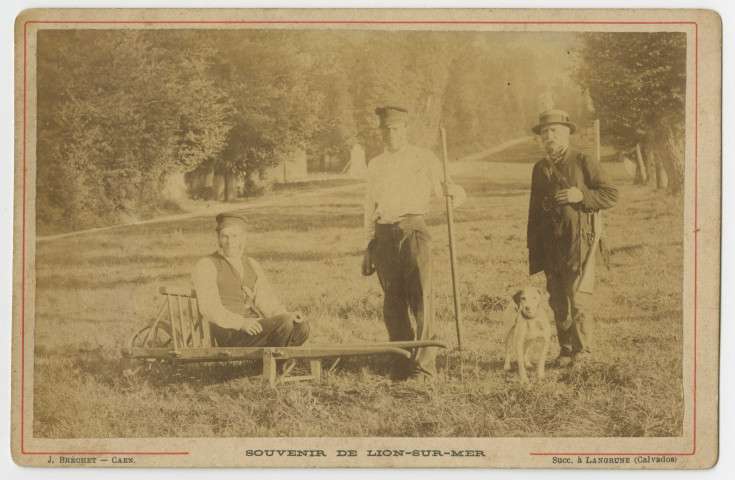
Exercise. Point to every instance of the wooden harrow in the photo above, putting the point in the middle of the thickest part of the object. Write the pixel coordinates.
(180, 334)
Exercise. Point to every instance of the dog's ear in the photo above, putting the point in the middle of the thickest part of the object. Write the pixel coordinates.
(543, 293)
(517, 297)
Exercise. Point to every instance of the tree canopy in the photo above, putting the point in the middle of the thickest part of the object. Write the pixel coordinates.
(637, 84)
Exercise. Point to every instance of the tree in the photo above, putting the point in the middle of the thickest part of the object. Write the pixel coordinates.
(407, 69)
(118, 112)
(501, 81)
(637, 83)
(267, 76)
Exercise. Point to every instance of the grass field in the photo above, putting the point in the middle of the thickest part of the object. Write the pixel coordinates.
(93, 290)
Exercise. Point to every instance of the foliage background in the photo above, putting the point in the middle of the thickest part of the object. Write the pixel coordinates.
(119, 111)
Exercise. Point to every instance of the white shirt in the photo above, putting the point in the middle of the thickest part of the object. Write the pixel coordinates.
(262, 296)
(401, 183)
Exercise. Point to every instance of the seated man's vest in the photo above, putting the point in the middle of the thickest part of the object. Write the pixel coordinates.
(233, 291)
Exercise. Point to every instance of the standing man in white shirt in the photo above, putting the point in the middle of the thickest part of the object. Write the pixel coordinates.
(237, 299)
(400, 183)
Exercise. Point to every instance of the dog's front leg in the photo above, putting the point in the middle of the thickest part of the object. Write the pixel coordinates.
(520, 337)
(527, 355)
(542, 356)
(508, 348)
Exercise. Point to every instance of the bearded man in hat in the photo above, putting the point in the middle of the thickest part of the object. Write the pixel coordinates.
(235, 296)
(567, 188)
(400, 184)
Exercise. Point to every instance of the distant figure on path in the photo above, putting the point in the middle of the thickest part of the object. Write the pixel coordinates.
(400, 184)
(567, 188)
(236, 297)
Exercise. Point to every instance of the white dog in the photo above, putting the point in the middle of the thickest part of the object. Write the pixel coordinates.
(525, 320)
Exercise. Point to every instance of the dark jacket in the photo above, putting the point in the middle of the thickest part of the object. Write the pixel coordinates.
(559, 236)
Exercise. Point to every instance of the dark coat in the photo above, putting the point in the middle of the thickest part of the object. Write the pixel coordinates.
(559, 238)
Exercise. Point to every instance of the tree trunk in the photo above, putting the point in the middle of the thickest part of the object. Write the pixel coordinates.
(208, 184)
(650, 157)
(230, 186)
(662, 180)
(640, 178)
(671, 154)
(597, 139)
(218, 187)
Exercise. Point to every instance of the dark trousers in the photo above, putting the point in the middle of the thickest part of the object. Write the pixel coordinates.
(574, 331)
(402, 257)
(278, 331)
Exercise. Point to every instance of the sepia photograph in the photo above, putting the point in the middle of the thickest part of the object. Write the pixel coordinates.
(366, 239)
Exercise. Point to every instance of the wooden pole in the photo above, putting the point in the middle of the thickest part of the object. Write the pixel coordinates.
(452, 253)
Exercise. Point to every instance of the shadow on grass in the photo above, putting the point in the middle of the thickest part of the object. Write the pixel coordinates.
(109, 368)
(478, 188)
(299, 220)
(142, 260)
(317, 256)
(644, 316)
(597, 374)
(86, 282)
(107, 260)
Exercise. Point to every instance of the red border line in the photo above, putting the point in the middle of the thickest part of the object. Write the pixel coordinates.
(22, 405)
(696, 223)
(106, 453)
(341, 22)
(23, 256)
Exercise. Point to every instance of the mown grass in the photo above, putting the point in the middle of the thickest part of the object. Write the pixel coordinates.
(94, 290)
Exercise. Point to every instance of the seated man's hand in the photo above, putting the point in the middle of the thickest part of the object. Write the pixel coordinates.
(297, 317)
(251, 326)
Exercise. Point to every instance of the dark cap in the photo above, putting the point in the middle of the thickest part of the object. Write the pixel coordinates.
(391, 115)
(230, 220)
(550, 117)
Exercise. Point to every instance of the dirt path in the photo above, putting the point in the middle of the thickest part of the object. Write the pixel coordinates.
(218, 207)
(496, 149)
(270, 201)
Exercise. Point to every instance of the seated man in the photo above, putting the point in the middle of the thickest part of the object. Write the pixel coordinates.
(237, 299)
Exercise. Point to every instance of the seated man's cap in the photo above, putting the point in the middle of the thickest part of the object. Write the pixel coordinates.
(391, 115)
(550, 117)
(229, 220)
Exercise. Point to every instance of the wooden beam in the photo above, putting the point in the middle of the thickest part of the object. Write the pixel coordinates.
(310, 351)
(326, 352)
(295, 379)
(205, 354)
